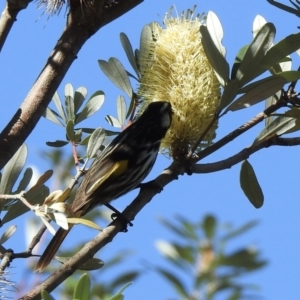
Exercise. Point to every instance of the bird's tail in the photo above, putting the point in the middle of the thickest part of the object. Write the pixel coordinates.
(51, 249)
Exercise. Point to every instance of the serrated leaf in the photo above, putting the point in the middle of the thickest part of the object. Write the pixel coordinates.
(121, 109)
(35, 196)
(113, 121)
(70, 130)
(52, 116)
(79, 96)
(129, 52)
(25, 180)
(82, 288)
(216, 59)
(255, 53)
(144, 52)
(278, 126)
(258, 23)
(229, 93)
(12, 170)
(57, 102)
(7, 234)
(115, 71)
(250, 185)
(258, 91)
(209, 226)
(91, 107)
(95, 141)
(57, 143)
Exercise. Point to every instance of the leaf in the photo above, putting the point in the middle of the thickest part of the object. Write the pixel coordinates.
(79, 96)
(84, 222)
(82, 288)
(33, 196)
(57, 143)
(92, 106)
(59, 106)
(258, 91)
(52, 116)
(238, 59)
(175, 282)
(46, 296)
(113, 121)
(123, 279)
(91, 264)
(119, 295)
(12, 170)
(270, 101)
(115, 71)
(95, 141)
(278, 126)
(69, 92)
(250, 185)
(7, 234)
(121, 110)
(25, 180)
(70, 130)
(209, 226)
(215, 30)
(144, 53)
(216, 59)
(255, 53)
(129, 52)
(229, 93)
(258, 23)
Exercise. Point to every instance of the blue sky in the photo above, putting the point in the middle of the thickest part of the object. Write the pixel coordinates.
(23, 56)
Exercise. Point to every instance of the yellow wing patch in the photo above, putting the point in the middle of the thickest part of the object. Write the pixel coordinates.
(116, 170)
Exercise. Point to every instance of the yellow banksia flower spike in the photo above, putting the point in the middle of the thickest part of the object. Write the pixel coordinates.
(175, 68)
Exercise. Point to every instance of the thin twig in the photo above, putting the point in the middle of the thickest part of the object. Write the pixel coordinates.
(285, 7)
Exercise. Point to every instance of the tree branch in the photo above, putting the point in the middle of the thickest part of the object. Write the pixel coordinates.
(83, 21)
(9, 16)
(147, 192)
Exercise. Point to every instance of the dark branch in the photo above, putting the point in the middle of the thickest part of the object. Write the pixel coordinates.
(285, 7)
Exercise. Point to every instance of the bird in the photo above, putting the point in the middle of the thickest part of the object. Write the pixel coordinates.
(120, 168)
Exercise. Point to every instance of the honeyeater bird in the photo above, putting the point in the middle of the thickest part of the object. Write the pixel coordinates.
(120, 168)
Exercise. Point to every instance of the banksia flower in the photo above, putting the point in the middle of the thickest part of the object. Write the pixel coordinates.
(174, 68)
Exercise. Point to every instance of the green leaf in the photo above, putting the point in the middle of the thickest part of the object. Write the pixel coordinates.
(270, 101)
(255, 53)
(119, 295)
(82, 288)
(115, 71)
(25, 180)
(57, 143)
(258, 23)
(123, 279)
(46, 296)
(129, 52)
(229, 93)
(279, 126)
(52, 116)
(79, 96)
(8, 233)
(144, 53)
(250, 185)
(175, 282)
(258, 91)
(91, 264)
(237, 232)
(91, 107)
(121, 110)
(70, 130)
(209, 226)
(69, 92)
(12, 170)
(77, 136)
(216, 59)
(113, 121)
(59, 107)
(237, 62)
(95, 141)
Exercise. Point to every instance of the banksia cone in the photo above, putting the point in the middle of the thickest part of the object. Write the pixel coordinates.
(175, 68)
